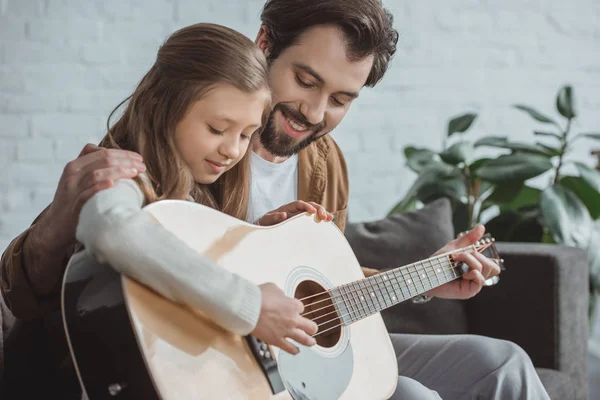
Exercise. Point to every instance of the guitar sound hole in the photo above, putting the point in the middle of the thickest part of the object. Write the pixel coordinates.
(319, 307)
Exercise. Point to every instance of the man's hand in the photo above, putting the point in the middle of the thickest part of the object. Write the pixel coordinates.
(291, 209)
(280, 318)
(480, 268)
(93, 170)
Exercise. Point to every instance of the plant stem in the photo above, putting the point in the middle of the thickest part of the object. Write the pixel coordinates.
(563, 150)
(470, 197)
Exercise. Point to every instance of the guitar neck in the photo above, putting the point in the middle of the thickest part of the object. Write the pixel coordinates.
(360, 299)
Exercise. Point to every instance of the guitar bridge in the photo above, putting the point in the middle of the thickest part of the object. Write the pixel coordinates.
(266, 361)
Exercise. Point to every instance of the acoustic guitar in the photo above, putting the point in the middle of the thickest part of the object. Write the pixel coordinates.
(128, 342)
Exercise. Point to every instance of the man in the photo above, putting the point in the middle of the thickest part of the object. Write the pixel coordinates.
(321, 54)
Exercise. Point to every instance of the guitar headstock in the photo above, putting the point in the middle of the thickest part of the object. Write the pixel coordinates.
(487, 246)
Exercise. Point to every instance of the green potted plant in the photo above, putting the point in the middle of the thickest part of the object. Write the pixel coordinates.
(565, 210)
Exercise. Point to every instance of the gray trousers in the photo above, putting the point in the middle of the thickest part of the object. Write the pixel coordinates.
(463, 367)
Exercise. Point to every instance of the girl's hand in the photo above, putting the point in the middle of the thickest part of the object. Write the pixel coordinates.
(281, 319)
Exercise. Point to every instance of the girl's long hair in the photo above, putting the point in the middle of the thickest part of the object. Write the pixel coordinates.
(190, 62)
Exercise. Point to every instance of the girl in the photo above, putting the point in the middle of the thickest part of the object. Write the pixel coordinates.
(192, 118)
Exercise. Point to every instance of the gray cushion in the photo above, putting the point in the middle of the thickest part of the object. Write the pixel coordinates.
(558, 384)
(401, 239)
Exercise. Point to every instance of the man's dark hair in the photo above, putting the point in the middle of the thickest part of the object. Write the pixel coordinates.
(366, 24)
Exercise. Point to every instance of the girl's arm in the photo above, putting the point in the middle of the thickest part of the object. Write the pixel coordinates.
(114, 228)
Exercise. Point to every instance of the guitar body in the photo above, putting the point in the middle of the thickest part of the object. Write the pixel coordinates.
(129, 342)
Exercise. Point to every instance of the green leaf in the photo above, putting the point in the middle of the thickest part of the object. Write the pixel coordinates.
(547, 238)
(408, 150)
(452, 188)
(513, 196)
(433, 174)
(591, 176)
(551, 151)
(564, 102)
(460, 123)
(478, 163)
(565, 216)
(551, 134)
(418, 159)
(527, 197)
(514, 167)
(407, 204)
(589, 196)
(515, 146)
(491, 141)
(592, 135)
(505, 192)
(457, 153)
(535, 114)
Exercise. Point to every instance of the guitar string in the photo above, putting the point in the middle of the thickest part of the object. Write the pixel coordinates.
(394, 272)
(455, 265)
(477, 248)
(386, 287)
(351, 309)
(373, 307)
(338, 325)
(388, 284)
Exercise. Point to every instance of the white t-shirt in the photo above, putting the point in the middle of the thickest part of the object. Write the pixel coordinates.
(272, 186)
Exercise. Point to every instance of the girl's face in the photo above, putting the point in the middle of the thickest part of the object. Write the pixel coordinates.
(215, 133)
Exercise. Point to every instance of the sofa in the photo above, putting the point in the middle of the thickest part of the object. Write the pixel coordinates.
(540, 302)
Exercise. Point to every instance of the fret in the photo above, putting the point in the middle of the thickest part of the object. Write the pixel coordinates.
(372, 293)
(367, 296)
(360, 300)
(416, 278)
(387, 290)
(383, 293)
(427, 270)
(409, 283)
(406, 284)
(424, 277)
(368, 299)
(376, 288)
(350, 306)
(399, 287)
(384, 279)
(342, 308)
(438, 268)
(351, 291)
(451, 272)
(365, 301)
(419, 275)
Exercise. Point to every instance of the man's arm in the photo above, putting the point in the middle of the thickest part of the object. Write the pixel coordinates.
(33, 264)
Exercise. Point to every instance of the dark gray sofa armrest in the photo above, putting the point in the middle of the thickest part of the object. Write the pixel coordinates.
(540, 303)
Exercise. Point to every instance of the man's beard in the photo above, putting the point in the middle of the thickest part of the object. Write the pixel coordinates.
(282, 145)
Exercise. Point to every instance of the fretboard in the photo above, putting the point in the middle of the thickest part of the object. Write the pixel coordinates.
(360, 299)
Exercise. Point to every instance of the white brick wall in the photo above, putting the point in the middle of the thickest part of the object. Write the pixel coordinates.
(65, 63)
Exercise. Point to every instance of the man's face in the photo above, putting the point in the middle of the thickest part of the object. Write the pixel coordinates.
(313, 85)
